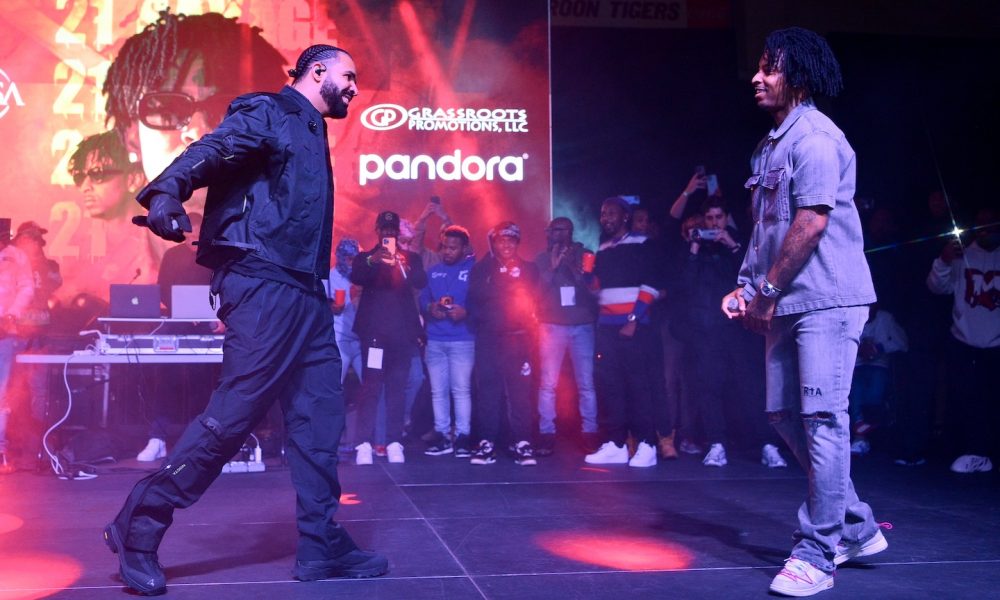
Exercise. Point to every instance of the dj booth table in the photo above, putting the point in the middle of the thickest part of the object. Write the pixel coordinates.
(84, 357)
(138, 358)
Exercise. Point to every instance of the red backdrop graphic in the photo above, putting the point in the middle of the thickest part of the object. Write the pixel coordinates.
(454, 103)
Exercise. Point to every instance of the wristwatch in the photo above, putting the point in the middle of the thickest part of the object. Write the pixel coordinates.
(768, 290)
(631, 318)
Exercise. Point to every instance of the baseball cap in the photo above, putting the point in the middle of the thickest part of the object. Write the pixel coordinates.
(506, 229)
(31, 228)
(387, 218)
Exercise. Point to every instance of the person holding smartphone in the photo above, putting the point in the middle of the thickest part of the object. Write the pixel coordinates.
(389, 328)
(715, 351)
(450, 344)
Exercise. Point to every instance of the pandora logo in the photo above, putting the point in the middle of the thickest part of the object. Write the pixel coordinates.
(450, 167)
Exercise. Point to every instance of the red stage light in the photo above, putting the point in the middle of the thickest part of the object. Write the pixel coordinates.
(30, 576)
(349, 499)
(9, 523)
(622, 551)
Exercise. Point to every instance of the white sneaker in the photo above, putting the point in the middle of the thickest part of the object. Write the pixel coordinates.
(970, 463)
(716, 457)
(771, 457)
(860, 447)
(155, 450)
(689, 447)
(645, 456)
(395, 453)
(800, 578)
(608, 454)
(363, 456)
(846, 552)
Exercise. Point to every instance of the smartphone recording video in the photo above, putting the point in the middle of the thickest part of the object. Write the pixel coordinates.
(711, 184)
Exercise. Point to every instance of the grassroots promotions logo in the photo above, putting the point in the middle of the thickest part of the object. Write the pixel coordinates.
(383, 117)
(8, 94)
(450, 167)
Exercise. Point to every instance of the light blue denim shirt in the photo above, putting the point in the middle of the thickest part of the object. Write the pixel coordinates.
(807, 161)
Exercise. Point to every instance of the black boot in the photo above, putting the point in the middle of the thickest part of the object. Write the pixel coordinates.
(140, 571)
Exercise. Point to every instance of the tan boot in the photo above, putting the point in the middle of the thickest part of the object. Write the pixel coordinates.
(667, 449)
(631, 443)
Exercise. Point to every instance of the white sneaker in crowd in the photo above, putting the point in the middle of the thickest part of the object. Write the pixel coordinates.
(689, 447)
(771, 457)
(608, 454)
(716, 457)
(860, 447)
(800, 578)
(645, 456)
(155, 450)
(363, 456)
(395, 453)
(970, 463)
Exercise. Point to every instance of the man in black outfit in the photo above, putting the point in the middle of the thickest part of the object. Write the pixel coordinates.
(389, 329)
(503, 293)
(267, 234)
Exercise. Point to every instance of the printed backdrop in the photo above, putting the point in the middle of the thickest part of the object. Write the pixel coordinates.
(454, 103)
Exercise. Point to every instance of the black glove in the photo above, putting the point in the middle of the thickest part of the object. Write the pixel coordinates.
(166, 218)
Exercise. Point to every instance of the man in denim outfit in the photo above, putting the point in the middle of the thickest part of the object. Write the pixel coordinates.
(806, 264)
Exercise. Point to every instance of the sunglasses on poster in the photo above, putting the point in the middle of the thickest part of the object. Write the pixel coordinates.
(170, 111)
(96, 175)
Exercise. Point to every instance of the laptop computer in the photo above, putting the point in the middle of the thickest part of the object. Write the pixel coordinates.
(191, 302)
(132, 301)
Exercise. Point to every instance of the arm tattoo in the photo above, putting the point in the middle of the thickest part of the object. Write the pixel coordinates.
(801, 240)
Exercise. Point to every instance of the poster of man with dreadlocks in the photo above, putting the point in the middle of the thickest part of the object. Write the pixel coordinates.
(158, 75)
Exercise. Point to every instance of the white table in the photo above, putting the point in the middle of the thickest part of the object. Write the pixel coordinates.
(87, 357)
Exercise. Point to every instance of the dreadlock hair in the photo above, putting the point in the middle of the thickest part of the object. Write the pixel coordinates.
(107, 148)
(146, 60)
(806, 60)
(318, 52)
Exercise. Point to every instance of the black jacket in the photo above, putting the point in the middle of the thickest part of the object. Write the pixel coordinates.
(499, 302)
(387, 311)
(270, 185)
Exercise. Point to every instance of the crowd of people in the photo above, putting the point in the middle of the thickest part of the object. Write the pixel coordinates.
(631, 334)
(655, 386)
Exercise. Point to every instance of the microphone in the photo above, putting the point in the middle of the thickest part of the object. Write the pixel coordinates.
(313, 126)
(138, 272)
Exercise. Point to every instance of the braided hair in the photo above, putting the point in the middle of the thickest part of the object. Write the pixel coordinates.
(806, 60)
(312, 54)
(146, 60)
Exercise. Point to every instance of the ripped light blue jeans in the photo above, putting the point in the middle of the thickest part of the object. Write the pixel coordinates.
(810, 361)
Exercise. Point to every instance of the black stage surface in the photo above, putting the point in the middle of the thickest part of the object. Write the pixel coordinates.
(558, 530)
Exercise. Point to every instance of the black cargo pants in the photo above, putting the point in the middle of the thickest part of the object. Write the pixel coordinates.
(279, 346)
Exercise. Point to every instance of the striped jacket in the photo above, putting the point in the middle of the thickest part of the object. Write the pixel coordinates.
(626, 278)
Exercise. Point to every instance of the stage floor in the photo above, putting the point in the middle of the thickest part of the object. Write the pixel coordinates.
(558, 530)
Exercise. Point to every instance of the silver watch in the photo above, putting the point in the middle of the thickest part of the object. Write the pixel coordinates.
(768, 290)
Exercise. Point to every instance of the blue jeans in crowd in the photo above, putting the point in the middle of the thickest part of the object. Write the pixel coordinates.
(553, 341)
(350, 356)
(449, 367)
(810, 359)
(869, 392)
(9, 347)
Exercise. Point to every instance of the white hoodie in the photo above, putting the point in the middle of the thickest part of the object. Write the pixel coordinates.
(974, 280)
